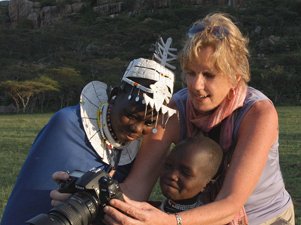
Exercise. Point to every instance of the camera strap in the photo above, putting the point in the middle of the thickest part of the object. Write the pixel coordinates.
(114, 158)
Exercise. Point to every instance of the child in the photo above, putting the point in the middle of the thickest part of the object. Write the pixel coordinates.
(188, 170)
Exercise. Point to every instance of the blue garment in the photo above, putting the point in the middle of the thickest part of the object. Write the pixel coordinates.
(269, 198)
(61, 145)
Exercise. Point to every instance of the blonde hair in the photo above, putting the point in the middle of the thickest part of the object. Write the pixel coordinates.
(230, 48)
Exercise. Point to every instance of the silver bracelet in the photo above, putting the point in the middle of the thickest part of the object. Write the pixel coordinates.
(178, 218)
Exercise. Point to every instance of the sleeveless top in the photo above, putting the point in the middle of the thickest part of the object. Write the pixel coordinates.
(269, 197)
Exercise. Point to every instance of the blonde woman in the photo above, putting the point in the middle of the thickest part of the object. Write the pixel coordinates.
(218, 102)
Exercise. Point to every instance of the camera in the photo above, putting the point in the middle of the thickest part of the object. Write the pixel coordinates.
(91, 192)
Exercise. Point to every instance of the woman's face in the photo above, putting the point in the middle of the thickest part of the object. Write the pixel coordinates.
(207, 87)
(128, 119)
(183, 176)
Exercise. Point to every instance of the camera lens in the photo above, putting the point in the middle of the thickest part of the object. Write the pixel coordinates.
(94, 189)
(48, 219)
(80, 209)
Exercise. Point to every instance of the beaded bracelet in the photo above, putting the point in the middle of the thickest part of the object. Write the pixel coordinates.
(178, 218)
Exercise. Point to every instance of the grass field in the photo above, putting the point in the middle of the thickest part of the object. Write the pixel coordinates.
(17, 132)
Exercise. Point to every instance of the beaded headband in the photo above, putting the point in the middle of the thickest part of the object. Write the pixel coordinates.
(162, 89)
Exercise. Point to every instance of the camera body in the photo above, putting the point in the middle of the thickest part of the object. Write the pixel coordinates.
(91, 192)
(96, 181)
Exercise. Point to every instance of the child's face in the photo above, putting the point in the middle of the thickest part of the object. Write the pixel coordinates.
(183, 175)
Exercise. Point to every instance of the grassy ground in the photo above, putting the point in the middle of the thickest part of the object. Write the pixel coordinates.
(290, 153)
(18, 131)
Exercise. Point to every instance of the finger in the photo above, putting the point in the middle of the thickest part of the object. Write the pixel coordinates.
(128, 209)
(108, 220)
(114, 217)
(58, 196)
(137, 204)
(60, 176)
(126, 198)
(55, 203)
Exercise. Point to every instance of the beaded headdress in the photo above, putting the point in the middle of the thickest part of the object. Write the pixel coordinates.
(94, 104)
(158, 94)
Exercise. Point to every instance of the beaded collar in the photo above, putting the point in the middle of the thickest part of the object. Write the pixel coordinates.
(171, 206)
(105, 127)
(93, 111)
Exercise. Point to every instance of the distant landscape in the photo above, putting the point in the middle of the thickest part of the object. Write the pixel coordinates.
(52, 63)
(49, 65)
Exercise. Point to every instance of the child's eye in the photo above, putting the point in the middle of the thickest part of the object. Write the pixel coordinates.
(186, 172)
(167, 166)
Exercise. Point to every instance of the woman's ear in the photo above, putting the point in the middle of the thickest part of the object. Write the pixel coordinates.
(238, 78)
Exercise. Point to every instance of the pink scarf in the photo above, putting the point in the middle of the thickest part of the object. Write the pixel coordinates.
(224, 112)
(233, 101)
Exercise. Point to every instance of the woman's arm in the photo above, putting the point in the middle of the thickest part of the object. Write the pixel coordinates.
(257, 133)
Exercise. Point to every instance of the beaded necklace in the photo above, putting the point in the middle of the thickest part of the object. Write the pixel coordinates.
(171, 206)
(112, 147)
(109, 123)
(105, 126)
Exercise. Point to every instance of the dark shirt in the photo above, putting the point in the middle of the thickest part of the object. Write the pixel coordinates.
(61, 145)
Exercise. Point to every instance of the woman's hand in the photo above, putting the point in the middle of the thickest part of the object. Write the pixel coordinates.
(133, 212)
(56, 196)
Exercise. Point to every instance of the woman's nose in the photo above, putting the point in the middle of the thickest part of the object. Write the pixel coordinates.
(198, 82)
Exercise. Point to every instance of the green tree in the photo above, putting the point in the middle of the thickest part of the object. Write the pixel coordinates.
(44, 97)
(22, 92)
(70, 84)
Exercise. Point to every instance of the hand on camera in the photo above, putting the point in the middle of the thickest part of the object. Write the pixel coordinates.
(56, 196)
(131, 212)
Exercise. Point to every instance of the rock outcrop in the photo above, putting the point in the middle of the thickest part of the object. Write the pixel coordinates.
(40, 15)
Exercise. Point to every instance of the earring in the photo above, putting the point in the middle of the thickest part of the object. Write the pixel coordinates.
(145, 111)
(166, 121)
(152, 115)
(137, 97)
(130, 95)
(113, 97)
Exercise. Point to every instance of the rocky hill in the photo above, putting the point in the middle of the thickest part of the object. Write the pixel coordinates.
(42, 13)
(73, 42)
